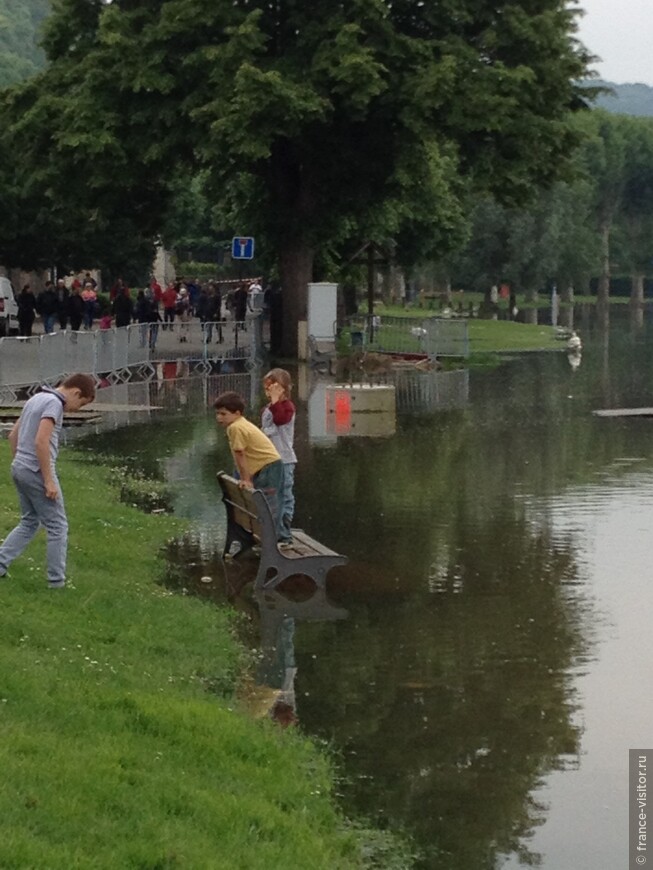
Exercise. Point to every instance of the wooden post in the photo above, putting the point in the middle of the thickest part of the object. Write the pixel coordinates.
(370, 290)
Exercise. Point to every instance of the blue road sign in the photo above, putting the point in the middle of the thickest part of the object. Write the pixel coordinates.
(242, 248)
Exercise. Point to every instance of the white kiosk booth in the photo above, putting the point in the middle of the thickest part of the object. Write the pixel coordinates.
(322, 313)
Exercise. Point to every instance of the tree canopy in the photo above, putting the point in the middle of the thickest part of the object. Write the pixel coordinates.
(317, 126)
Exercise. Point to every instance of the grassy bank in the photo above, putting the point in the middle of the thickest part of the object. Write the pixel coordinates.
(485, 336)
(121, 745)
(496, 336)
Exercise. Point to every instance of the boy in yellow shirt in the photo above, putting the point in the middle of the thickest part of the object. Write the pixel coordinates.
(257, 459)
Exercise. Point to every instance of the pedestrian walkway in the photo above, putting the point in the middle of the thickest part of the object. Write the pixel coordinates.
(119, 354)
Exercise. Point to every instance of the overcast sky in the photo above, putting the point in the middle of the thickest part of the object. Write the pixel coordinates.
(620, 33)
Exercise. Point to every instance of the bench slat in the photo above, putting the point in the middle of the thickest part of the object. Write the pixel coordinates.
(305, 540)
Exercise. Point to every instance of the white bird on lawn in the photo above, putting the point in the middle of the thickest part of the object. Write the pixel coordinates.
(574, 342)
(418, 331)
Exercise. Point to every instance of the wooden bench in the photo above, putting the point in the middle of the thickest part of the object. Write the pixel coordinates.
(250, 522)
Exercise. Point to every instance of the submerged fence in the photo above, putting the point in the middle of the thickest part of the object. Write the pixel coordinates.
(433, 336)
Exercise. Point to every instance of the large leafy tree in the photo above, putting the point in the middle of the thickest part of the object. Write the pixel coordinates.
(319, 125)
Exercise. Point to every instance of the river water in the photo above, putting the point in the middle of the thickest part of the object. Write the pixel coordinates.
(482, 665)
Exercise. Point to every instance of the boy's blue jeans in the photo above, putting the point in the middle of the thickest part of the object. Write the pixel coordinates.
(270, 480)
(287, 500)
(37, 510)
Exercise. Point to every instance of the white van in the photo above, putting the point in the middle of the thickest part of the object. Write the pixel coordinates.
(8, 308)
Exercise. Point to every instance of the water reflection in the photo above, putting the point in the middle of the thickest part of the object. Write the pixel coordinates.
(332, 415)
(448, 686)
(498, 561)
(451, 684)
(574, 358)
(273, 616)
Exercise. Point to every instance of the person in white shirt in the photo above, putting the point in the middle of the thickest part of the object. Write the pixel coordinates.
(255, 296)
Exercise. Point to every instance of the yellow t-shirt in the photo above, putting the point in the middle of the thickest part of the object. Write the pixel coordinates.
(256, 446)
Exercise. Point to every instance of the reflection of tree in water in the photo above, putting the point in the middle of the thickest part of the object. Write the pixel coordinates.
(450, 706)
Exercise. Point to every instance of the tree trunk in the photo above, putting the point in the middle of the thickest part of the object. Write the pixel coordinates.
(448, 295)
(567, 317)
(637, 290)
(568, 293)
(295, 271)
(603, 294)
(393, 287)
(292, 200)
(386, 286)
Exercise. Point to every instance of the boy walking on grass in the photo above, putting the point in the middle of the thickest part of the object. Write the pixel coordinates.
(34, 441)
(257, 459)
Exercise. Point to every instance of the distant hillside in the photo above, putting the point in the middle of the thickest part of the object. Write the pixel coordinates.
(20, 24)
(636, 99)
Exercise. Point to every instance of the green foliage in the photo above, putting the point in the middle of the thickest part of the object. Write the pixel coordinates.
(314, 128)
(192, 223)
(114, 751)
(597, 221)
(142, 492)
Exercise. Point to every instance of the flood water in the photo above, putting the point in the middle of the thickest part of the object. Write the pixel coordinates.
(482, 665)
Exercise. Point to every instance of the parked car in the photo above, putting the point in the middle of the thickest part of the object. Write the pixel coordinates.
(8, 308)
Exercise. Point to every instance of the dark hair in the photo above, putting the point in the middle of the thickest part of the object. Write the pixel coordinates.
(84, 383)
(230, 401)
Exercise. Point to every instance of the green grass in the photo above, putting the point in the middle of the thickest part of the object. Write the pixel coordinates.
(121, 744)
(485, 336)
(433, 308)
(492, 336)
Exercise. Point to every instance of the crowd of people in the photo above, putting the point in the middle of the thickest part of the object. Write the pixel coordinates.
(76, 304)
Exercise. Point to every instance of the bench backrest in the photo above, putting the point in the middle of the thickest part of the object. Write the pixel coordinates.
(244, 511)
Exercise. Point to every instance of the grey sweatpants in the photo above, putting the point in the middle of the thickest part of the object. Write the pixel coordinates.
(37, 510)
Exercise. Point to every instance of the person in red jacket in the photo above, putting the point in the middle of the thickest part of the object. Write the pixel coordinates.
(157, 291)
(169, 300)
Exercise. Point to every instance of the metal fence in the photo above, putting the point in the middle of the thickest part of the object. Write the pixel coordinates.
(433, 336)
(117, 354)
(223, 340)
(425, 392)
(113, 353)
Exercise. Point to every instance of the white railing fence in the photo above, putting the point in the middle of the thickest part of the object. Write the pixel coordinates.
(120, 353)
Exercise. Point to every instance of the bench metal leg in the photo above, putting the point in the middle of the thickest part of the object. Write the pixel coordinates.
(315, 567)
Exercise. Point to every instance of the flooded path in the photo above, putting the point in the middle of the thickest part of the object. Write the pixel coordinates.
(481, 667)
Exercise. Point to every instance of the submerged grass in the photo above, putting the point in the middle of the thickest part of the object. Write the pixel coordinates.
(114, 752)
(496, 336)
(485, 336)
